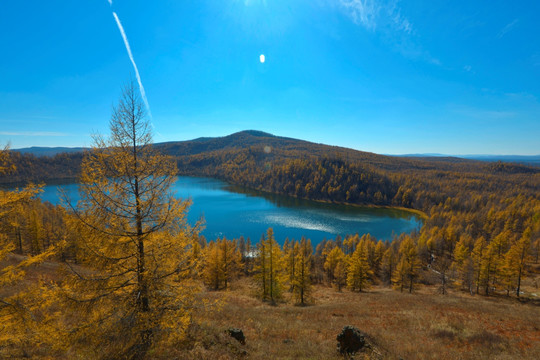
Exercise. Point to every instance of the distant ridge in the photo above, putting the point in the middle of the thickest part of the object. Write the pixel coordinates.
(248, 138)
(49, 151)
(520, 159)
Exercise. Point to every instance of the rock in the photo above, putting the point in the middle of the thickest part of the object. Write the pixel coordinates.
(238, 335)
(350, 340)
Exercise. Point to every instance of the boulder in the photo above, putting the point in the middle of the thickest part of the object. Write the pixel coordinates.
(238, 334)
(350, 340)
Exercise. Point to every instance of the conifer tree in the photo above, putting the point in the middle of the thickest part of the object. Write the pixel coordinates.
(380, 248)
(515, 260)
(291, 251)
(359, 272)
(389, 264)
(134, 242)
(477, 256)
(230, 257)
(349, 244)
(261, 267)
(18, 324)
(246, 255)
(334, 257)
(35, 228)
(489, 267)
(275, 268)
(536, 250)
(399, 276)
(340, 274)
(302, 274)
(213, 266)
(463, 265)
(271, 270)
(408, 265)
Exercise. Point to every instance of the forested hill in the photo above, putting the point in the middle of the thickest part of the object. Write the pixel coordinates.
(289, 147)
(215, 156)
(48, 164)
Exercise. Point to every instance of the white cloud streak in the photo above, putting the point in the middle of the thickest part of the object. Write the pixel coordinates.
(130, 54)
(363, 12)
(387, 18)
(32, 133)
(400, 22)
(505, 30)
(110, 2)
(377, 14)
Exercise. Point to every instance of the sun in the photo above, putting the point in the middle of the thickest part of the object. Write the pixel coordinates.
(262, 58)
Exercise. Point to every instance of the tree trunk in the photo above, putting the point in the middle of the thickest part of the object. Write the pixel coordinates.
(144, 301)
(19, 239)
(271, 274)
(519, 283)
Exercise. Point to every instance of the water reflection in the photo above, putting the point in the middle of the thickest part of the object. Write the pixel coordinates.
(348, 212)
(234, 211)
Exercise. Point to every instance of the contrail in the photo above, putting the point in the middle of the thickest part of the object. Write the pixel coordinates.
(128, 48)
(110, 2)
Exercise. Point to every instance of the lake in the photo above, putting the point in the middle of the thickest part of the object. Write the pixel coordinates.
(234, 211)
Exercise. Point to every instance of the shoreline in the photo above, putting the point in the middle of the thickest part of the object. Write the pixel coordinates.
(419, 213)
(422, 215)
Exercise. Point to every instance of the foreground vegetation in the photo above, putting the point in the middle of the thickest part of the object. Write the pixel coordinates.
(422, 325)
(126, 287)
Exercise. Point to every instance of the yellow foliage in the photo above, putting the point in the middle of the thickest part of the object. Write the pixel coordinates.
(359, 273)
(133, 288)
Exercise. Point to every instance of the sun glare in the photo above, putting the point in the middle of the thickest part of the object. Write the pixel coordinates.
(262, 58)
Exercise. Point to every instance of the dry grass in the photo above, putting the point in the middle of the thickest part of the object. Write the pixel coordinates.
(423, 325)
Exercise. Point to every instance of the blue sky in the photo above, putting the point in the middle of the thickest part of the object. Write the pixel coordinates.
(455, 77)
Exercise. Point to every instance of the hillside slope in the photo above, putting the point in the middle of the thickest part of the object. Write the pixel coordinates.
(315, 171)
(45, 164)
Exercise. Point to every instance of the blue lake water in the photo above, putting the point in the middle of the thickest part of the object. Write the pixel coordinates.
(233, 211)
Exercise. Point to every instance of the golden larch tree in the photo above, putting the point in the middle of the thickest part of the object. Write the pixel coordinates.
(515, 260)
(359, 272)
(270, 268)
(17, 300)
(302, 274)
(334, 257)
(408, 265)
(230, 257)
(212, 271)
(132, 291)
(290, 251)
